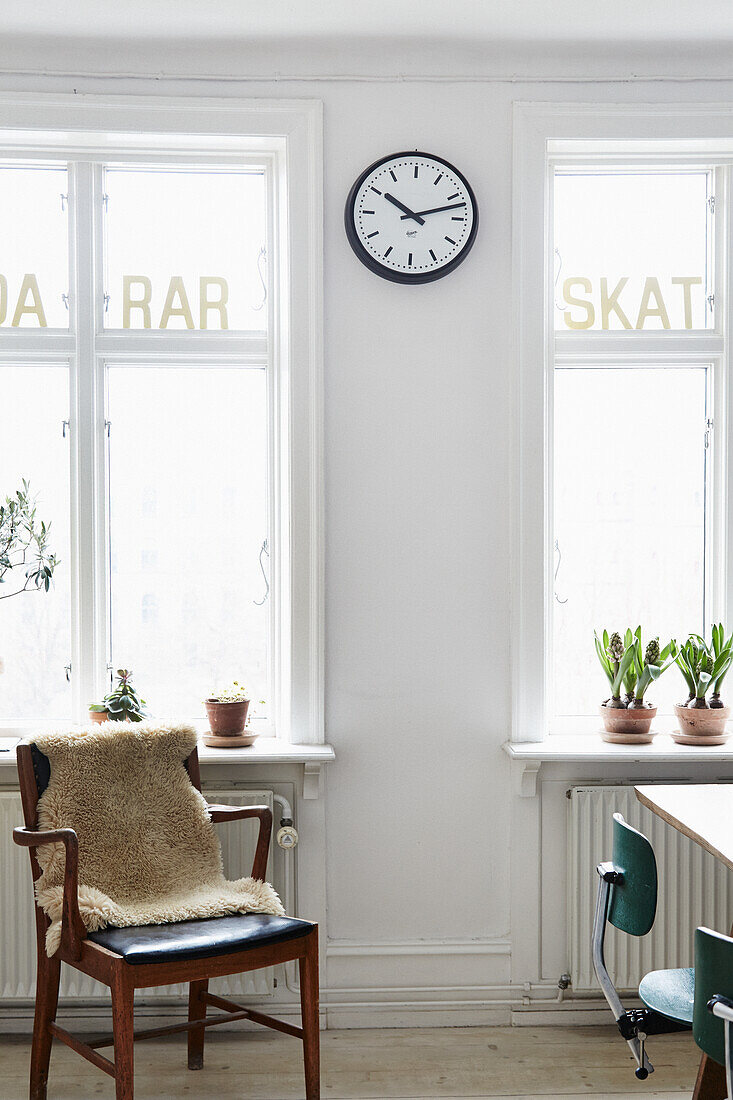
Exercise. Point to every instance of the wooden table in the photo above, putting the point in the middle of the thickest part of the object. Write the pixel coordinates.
(702, 811)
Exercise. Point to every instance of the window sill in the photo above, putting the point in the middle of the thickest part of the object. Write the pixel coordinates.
(588, 748)
(266, 750)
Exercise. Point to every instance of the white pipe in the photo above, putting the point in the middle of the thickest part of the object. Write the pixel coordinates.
(291, 968)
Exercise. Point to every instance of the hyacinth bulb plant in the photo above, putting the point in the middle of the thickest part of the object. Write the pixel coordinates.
(633, 668)
(704, 666)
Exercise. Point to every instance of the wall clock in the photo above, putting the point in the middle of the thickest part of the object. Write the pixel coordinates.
(411, 217)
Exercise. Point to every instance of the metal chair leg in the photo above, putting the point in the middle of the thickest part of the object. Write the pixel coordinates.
(627, 1022)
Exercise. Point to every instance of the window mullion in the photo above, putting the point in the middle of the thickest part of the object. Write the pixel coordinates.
(88, 495)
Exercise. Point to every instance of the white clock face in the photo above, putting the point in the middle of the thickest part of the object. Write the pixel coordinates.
(414, 217)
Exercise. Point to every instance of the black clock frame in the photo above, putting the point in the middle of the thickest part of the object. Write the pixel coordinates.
(370, 261)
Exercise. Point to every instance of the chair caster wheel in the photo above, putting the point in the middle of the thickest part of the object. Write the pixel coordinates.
(642, 1073)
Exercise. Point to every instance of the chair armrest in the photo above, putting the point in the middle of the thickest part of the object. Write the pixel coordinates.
(220, 814)
(721, 1006)
(73, 930)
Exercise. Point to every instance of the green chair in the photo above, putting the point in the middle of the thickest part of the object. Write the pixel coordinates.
(713, 1013)
(627, 899)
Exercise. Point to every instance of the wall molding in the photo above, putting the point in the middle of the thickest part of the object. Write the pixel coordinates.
(353, 948)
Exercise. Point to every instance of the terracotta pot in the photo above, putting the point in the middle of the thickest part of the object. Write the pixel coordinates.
(703, 726)
(98, 716)
(227, 722)
(628, 726)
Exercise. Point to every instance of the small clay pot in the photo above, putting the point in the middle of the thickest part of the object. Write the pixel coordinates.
(702, 726)
(628, 726)
(227, 722)
(99, 716)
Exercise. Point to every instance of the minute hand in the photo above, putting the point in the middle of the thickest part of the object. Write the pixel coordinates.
(436, 209)
(407, 212)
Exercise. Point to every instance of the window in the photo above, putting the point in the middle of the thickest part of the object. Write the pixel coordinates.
(159, 345)
(632, 507)
(622, 263)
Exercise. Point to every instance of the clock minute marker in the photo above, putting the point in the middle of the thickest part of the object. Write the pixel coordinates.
(437, 181)
(449, 240)
(374, 234)
(376, 190)
(386, 254)
(416, 170)
(367, 211)
(451, 197)
(394, 177)
(435, 258)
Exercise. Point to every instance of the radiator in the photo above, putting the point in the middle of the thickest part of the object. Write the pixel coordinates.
(18, 941)
(694, 889)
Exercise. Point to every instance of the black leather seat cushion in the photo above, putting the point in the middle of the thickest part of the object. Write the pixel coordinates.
(199, 939)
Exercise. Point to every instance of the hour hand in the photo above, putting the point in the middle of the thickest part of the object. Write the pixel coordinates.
(401, 206)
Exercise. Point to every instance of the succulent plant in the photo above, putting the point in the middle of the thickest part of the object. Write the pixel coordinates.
(122, 704)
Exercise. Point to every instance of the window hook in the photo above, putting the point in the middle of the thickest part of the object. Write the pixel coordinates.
(261, 260)
(264, 549)
(557, 570)
(558, 265)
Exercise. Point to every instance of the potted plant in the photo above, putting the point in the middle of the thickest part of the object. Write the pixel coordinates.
(123, 704)
(227, 712)
(704, 667)
(626, 664)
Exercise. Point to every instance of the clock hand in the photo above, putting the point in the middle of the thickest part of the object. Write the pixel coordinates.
(435, 209)
(407, 212)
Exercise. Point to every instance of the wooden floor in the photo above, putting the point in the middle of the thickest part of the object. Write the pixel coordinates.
(420, 1064)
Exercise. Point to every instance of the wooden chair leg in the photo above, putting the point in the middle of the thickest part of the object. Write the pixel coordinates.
(196, 1011)
(308, 966)
(123, 1024)
(710, 1083)
(47, 998)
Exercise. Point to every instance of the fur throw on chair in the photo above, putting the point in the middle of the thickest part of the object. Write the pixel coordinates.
(148, 851)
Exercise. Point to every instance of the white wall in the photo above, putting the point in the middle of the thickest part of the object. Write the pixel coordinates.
(419, 411)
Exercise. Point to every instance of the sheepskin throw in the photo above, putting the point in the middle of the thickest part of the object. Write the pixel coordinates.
(148, 852)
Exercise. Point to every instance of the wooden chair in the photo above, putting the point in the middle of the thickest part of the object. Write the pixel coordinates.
(126, 959)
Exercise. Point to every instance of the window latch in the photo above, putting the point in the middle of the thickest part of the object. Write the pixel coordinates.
(105, 298)
(710, 301)
(709, 425)
(66, 298)
(67, 670)
(105, 203)
(65, 427)
(64, 203)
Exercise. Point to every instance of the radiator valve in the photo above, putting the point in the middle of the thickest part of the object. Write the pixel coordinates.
(287, 836)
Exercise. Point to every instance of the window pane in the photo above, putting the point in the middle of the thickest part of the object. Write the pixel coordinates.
(34, 257)
(187, 247)
(629, 499)
(35, 636)
(188, 502)
(631, 250)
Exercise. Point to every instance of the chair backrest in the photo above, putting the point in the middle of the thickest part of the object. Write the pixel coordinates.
(633, 902)
(34, 771)
(713, 974)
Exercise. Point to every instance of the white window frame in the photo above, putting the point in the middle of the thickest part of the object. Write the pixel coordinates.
(285, 136)
(651, 134)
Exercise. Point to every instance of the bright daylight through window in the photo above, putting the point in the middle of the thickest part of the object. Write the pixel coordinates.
(634, 392)
(175, 416)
